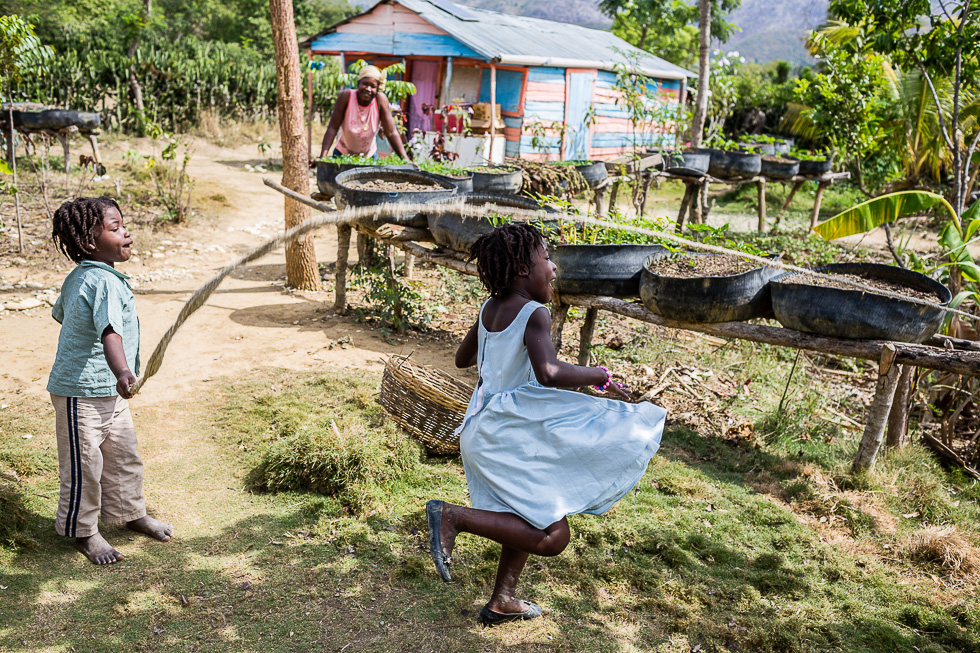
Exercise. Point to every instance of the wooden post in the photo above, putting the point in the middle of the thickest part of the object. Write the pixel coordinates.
(559, 312)
(688, 194)
(309, 105)
(796, 186)
(613, 194)
(647, 180)
(816, 202)
(761, 186)
(897, 433)
(881, 404)
(585, 336)
(340, 271)
(697, 207)
(600, 199)
(446, 100)
(493, 108)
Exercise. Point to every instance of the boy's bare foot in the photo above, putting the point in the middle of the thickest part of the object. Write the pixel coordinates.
(97, 550)
(155, 528)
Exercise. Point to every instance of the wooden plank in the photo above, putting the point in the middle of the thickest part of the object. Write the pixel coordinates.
(957, 362)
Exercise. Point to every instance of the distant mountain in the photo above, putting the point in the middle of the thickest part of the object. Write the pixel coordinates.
(578, 12)
(769, 30)
(775, 30)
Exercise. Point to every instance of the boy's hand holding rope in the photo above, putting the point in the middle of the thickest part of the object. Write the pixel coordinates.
(395, 212)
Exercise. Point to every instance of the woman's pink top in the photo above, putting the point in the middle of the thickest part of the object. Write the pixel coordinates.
(359, 128)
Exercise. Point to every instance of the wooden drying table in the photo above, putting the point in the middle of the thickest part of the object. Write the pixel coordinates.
(694, 189)
(938, 353)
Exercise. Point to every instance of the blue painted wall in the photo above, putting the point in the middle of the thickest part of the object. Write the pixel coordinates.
(509, 83)
(403, 44)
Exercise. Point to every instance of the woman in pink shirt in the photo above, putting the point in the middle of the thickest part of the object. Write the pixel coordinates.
(357, 115)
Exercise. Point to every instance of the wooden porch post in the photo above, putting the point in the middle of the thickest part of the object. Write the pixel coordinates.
(446, 100)
(493, 105)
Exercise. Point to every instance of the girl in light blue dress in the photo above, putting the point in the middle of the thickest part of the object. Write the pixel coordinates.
(532, 453)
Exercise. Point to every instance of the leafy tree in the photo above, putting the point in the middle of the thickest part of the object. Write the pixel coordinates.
(21, 53)
(666, 27)
(940, 39)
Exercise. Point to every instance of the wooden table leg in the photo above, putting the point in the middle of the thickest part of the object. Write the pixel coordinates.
(559, 312)
(599, 199)
(874, 430)
(340, 272)
(613, 195)
(688, 193)
(585, 336)
(646, 192)
(796, 186)
(816, 203)
(761, 186)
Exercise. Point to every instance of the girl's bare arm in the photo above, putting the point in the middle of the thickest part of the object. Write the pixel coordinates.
(388, 124)
(466, 354)
(548, 369)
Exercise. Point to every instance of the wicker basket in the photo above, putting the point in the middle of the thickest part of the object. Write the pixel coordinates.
(426, 402)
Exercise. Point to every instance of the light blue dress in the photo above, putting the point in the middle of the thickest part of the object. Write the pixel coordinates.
(544, 453)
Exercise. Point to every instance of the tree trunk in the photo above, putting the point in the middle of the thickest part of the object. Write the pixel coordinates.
(704, 59)
(134, 83)
(301, 267)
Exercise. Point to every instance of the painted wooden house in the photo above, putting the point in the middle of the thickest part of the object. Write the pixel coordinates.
(555, 82)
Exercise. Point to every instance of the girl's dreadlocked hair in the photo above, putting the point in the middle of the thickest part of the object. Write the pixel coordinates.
(502, 253)
(73, 226)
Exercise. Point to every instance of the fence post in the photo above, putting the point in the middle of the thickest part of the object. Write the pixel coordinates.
(874, 430)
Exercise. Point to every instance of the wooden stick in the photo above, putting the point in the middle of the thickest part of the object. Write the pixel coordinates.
(340, 271)
(761, 188)
(585, 336)
(881, 405)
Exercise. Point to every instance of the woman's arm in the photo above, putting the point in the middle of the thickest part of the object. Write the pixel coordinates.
(555, 373)
(388, 124)
(466, 354)
(336, 120)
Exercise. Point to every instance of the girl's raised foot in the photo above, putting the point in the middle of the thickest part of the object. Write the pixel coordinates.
(97, 550)
(434, 513)
(153, 527)
(528, 610)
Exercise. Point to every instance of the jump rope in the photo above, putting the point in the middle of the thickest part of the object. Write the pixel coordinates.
(396, 212)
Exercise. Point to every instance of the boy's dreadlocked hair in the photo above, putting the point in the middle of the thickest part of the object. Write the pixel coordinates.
(502, 253)
(74, 223)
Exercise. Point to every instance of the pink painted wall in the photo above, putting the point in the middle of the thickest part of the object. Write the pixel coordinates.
(383, 19)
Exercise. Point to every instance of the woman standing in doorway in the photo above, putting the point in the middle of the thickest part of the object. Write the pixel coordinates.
(356, 117)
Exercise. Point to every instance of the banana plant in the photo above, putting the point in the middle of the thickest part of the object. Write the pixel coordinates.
(959, 232)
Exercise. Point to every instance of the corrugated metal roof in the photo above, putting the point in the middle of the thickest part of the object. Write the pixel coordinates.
(525, 41)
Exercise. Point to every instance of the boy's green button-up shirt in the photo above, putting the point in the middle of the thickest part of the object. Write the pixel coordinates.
(94, 296)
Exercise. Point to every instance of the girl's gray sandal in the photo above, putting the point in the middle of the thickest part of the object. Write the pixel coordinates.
(433, 515)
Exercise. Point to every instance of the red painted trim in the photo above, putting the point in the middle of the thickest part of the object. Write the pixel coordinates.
(568, 77)
(520, 105)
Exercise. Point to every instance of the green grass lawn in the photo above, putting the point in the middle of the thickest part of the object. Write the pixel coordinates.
(751, 544)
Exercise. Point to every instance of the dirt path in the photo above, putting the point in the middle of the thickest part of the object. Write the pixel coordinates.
(250, 321)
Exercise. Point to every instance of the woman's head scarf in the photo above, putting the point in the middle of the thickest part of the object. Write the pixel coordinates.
(372, 72)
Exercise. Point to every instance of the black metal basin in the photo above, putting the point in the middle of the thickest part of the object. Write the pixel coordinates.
(463, 183)
(349, 196)
(327, 171)
(734, 165)
(817, 168)
(703, 300)
(609, 270)
(688, 163)
(779, 168)
(507, 181)
(853, 313)
(453, 231)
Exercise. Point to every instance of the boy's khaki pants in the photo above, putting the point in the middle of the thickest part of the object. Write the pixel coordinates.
(100, 469)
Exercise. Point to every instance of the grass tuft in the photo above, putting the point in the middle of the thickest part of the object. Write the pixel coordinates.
(945, 549)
